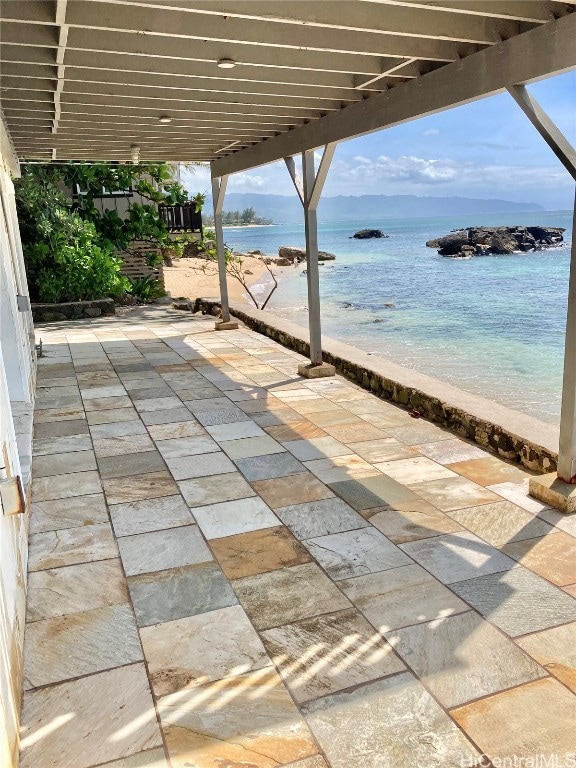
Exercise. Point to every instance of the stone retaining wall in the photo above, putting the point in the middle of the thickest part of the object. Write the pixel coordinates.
(504, 432)
(72, 310)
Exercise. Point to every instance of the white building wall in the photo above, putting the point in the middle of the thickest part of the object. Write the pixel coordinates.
(17, 379)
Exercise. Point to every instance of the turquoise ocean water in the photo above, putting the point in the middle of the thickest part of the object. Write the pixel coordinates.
(492, 325)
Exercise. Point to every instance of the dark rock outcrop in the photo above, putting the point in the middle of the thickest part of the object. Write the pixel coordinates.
(299, 254)
(367, 234)
(480, 241)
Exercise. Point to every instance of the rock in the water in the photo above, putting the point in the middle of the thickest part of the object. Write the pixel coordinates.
(299, 254)
(480, 241)
(367, 234)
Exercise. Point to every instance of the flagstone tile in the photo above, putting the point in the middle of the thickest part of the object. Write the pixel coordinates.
(49, 415)
(151, 758)
(67, 513)
(560, 520)
(393, 722)
(523, 723)
(53, 549)
(356, 494)
(192, 651)
(45, 446)
(61, 463)
(249, 719)
(518, 601)
(570, 589)
(416, 433)
(119, 490)
(268, 549)
(501, 523)
(187, 467)
(236, 431)
(65, 486)
(552, 556)
(350, 463)
(325, 654)
(118, 446)
(488, 471)
(279, 597)
(179, 592)
(457, 556)
(163, 392)
(89, 721)
(64, 428)
(161, 550)
(129, 464)
(294, 431)
(79, 644)
(187, 446)
(293, 489)
(353, 433)
(413, 520)
(211, 404)
(310, 762)
(451, 451)
(150, 515)
(113, 416)
(269, 466)
(399, 597)
(201, 491)
(75, 588)
(463, 657)
(518, 493)
(91, 393)
(354, 553)
(107, 403)
(121, 429)
(320, 518)
(170, 416)
(454, 493)
(249, 447)
(555, 650)
(175, 430)
(276, 417)
(158, 403)
(316, 448)
(379, 487)
(382, 449)
(231, 517)
(415, 470)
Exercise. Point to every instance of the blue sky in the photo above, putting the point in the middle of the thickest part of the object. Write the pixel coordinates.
(487, 149)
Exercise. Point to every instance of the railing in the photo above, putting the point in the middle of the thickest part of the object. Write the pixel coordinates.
(181, 218)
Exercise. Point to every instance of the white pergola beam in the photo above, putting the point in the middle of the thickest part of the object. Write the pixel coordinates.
(543, 51)
(555, 139)
(520, 10)
(358, 17)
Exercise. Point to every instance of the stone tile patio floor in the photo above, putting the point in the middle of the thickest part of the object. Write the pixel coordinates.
(231, 566)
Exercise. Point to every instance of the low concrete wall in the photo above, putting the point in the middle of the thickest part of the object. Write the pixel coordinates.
(506, 433)
(72, 310)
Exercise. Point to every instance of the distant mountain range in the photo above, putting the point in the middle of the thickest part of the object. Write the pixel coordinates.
(283, 209)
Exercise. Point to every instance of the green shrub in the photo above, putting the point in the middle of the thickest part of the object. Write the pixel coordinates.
(147, 289)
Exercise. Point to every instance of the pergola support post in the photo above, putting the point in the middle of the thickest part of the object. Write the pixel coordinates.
(559, 488)
(309, 191)
(218, 192)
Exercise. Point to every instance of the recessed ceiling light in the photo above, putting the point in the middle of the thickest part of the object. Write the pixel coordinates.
(226, 63)
(165, 119)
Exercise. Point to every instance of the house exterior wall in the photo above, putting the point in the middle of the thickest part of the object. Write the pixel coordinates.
(17, 381)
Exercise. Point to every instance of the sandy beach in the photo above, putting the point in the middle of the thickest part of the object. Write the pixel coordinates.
(195, 278)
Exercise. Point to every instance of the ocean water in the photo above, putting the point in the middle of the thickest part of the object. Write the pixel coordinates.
(492, 325)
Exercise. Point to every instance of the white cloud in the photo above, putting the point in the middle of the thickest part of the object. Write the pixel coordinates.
(431, 132)
(247, 182)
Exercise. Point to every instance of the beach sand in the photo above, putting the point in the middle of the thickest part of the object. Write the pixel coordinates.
(197, 278)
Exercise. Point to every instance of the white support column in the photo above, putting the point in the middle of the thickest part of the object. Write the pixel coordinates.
(559, 488)
(567, 448)
(309, 191)
(218, 192)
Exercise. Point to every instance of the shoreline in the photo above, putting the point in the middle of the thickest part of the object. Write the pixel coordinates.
(189, 278)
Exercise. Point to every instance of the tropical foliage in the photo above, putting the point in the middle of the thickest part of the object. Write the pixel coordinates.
(69, 243)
